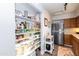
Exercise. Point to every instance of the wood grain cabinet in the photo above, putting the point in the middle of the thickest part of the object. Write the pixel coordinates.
(67, 39)
(77, 21)
(71, 40)
(70, 23)
(66, 23)
(75, 46)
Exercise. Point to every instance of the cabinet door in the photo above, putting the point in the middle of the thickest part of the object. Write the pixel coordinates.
(72, 22)
(75, 46)
(67, 39)
(78, 21)
(66, 23)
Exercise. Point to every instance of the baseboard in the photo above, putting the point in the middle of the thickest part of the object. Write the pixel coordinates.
(66, 45)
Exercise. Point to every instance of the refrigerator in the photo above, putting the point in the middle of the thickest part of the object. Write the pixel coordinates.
(58, 32)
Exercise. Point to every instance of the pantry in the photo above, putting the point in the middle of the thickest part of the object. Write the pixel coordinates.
(27, 30)
(33, 26)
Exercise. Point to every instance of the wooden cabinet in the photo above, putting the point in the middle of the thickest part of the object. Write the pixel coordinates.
(75, 46)
(71, 40)
(67, 39)
(66, 23)
(77, 21)
(70, 23)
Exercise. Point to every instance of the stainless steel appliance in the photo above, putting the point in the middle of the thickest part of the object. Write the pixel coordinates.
(57, 31)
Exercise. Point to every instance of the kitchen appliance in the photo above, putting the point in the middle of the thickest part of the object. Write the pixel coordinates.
(49, 44)
(57, 31)
(49, 47)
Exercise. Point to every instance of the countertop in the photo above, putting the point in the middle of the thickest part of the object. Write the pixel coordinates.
(76, 35)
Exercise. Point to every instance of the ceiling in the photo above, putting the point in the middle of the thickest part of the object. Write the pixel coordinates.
(58, 8)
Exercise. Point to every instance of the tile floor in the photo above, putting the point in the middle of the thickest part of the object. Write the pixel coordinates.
(59, 51)
(65, 51)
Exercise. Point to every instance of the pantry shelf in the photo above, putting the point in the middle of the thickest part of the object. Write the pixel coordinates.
(27, 33)
(27, 41)
(29, 52)
(26, 19)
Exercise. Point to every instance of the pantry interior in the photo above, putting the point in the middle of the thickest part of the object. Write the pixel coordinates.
(30, 29)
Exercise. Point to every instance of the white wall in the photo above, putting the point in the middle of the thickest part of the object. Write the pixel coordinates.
(44, 30)
(44, 14)
(7, 29)
(47, 15)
